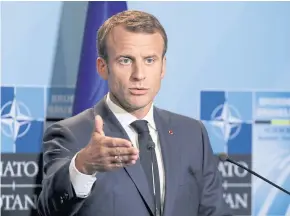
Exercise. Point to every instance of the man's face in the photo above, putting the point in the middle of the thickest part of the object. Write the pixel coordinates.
(135, 67)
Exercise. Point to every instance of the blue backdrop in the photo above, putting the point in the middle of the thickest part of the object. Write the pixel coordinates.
(228, 64)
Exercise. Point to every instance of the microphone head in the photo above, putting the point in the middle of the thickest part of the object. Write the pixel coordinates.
(223, 156)
(150, 145)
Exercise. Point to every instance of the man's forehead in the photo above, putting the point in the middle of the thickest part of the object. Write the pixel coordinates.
(122, 39)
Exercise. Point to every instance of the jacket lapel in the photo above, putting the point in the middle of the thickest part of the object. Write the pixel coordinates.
(113, 128)
(171, 156)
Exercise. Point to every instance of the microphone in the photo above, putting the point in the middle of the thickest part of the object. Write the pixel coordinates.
(150, 145)
(224, 157)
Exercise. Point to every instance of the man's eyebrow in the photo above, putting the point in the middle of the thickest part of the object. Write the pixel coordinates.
(151, 56)
(133, 58)
(125, 56)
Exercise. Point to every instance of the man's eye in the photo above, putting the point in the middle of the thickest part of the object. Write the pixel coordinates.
(125, 61)
(150, 60)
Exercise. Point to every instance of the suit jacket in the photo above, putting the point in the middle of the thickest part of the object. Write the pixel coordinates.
(193, 182)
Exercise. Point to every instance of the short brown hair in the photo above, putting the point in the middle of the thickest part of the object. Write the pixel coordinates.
(133, 21)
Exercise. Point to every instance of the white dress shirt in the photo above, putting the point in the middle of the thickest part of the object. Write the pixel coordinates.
(82, 183)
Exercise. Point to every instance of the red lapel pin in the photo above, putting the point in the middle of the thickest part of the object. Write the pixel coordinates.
(170, 132)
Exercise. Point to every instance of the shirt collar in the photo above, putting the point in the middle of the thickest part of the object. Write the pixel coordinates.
(126, 118)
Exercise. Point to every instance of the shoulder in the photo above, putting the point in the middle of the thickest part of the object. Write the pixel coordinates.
(85, 117)
(74, 124)
(191, 132)
(180, 119)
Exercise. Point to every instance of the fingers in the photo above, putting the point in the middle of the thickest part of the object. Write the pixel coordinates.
(99, 125)
(116, 142)
(107, 153)
(124, 157)
(122, 151)
(122, 161)
(127, 159)
(120, 157)
(107, 141)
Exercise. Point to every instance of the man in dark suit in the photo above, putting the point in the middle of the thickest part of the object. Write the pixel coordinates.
(125, 156)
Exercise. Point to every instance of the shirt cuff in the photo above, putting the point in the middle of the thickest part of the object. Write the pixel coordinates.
(81, 182)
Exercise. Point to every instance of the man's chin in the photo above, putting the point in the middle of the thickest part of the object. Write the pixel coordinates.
(134, 105)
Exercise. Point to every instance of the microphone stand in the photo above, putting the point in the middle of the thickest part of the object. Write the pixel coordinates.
(224, 157)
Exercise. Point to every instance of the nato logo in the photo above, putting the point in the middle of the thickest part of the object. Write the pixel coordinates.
(22, 117)
(228, 118)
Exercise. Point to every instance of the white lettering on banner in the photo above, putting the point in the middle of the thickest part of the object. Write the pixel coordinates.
(18, 202)
(236, 201)
(18, 169)
(231, 170)
(278, 130)
(62, 98)
(60, 109)
(277, 112)
(274, 101)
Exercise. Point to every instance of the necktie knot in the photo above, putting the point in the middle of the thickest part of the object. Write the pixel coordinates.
(140, 126)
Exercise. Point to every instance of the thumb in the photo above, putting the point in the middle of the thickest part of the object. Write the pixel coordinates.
(99, 125)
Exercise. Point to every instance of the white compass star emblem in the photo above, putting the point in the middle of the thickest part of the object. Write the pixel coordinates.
(227, 120)
(14, 118)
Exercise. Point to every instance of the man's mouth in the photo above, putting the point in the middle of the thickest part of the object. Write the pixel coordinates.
(138, 91)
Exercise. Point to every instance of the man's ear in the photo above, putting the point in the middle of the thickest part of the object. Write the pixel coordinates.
(102, 68)
(163, 67)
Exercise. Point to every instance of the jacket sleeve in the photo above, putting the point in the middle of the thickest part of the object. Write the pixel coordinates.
(57, 196)
(212, 201)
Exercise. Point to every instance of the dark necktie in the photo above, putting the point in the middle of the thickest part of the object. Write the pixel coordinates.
(148, 160)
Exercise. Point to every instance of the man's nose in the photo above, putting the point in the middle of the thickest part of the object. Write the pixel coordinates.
(138, 72)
